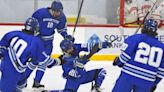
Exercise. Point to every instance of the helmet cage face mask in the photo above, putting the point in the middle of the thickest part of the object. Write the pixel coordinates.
(151, 25)
(152, 29)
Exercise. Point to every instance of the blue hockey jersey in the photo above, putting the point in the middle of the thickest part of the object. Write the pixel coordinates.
(71, 62)
(49, 23)
(18, 47)
(143, 57)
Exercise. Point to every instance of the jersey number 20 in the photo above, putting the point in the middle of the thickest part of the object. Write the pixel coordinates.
(148, 55)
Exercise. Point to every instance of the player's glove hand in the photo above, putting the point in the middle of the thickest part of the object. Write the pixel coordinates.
(73, 73)
(62, 59)
(69, 37)
(153, 88)
(115, 62)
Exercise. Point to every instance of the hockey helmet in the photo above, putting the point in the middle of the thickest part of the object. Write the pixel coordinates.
(66, 45)
(57, 5)
(150, 25)
(32, 25)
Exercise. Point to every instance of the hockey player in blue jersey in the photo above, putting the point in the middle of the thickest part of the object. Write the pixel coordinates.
(50, 19)
(16, 48)
(142, 61)
(73, 66)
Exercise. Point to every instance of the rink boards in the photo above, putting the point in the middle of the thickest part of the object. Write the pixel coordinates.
(82, 34)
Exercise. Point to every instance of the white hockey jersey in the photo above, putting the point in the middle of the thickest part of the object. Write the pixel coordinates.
(130, 12)
(144, 6)
(158, 13)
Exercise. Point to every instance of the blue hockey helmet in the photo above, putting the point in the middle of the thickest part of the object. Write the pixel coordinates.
(32, 26)
(66, 45)
(150, 25)
(57, 5)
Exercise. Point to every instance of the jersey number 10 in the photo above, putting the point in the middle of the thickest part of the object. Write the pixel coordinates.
(149, 55)
(18, 45)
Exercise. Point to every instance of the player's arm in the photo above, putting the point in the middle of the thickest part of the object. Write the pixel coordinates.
(160, 75)
(5, 42)
(45, 60)
(62, 26)
(87, 46)
(62, 29)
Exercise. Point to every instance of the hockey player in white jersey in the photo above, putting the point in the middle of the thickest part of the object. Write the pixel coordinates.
(130, 11)
(158, 13)
(144, 6)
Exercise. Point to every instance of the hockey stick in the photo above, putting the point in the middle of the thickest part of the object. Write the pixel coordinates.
(78, 16)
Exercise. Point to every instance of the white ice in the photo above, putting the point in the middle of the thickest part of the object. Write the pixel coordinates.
(53, 78)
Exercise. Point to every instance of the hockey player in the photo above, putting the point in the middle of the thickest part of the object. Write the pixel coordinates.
(142, 61)
(144, 6)
(16, 48)
(50, 18)
(158, 13)
(130, 12)
(73, 67)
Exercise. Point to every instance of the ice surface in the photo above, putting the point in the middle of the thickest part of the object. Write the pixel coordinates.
(53, 78)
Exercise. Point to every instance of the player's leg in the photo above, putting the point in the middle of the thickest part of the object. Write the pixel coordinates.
(72, 84)
(96, 75)
(41, 69)
(142, 89)
(143, 85)
(9, 78)
(123, 84)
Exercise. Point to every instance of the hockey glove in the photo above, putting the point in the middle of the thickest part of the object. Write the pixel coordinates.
(73, 73)
(54, 62)
(153, 88)
(62, 59)
(115, 62)
(59, 61)
(70, 38)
